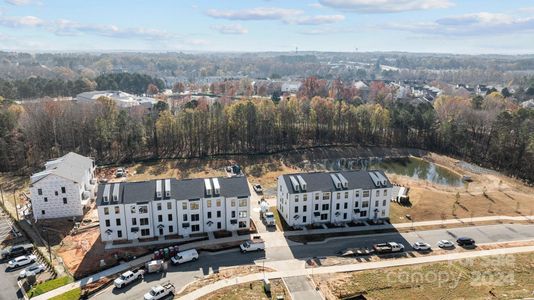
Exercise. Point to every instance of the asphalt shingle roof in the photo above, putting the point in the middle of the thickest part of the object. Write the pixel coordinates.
(322, 181)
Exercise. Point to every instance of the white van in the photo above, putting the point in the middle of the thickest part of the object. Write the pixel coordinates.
(185, 256)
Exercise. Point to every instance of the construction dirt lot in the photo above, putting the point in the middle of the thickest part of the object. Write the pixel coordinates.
(489, 193)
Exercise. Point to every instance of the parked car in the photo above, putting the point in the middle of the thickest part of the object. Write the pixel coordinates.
(185, 256)
(21, 261)
(257, 188)
(255, 244)
(269, 218)
(128, 277)
(32, 270)
(465, 242)
(445, 244)
(389, 247)
(160, 291)
(120, 172)
(421, 246)
(16, 251)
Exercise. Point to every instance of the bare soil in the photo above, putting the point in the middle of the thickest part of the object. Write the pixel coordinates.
(248, 291)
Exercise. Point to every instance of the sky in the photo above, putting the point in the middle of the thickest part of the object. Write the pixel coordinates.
(442, 26)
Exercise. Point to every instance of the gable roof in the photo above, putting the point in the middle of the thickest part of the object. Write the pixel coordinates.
(71, 166)
(322, 181)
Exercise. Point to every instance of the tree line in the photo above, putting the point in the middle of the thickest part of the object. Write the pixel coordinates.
(38, 87)
(491, 131)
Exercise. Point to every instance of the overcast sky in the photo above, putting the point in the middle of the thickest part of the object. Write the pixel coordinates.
(446, 26)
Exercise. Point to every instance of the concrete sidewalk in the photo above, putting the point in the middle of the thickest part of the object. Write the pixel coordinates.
(349, 268)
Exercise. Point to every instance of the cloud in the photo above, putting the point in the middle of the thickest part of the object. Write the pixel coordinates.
(230, 29)
(25, 21)
(385, 6)
(258, 13)
(326, 31)
(288, 16)
(21, 2)
(482, 23)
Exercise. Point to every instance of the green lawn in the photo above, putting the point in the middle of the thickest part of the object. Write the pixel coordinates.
(70, 295)
(49, 285)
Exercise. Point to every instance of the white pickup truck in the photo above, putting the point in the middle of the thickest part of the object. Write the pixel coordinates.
(128, 277)
(255, 244)
(269, 219)
(160, 291)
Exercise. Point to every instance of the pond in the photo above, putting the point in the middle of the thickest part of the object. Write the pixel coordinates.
(406, 166)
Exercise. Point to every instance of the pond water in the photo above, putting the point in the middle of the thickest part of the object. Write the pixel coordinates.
(407, 166)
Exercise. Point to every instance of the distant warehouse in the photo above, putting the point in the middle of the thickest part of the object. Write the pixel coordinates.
(172, 208)
(121, 99)
(333, 197)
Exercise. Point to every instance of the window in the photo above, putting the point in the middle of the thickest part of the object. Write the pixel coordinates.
(383, 212)
(158, 206)
(316, 196)
(185, 217)
(296, 209)
(195, 228)
(376, 203)
(304, 208)
(184, 205)
(208, 203)
(134, 221)
(39, 192)
(357, 194)
(117, 210)
(344, 215)
(242, 224)
(232, 203)
(118, 222)
(143, 209)
(161, 231)
(132, 209)
(209, 214)
(384, 202)
(338, 195)
(42, 212)
(119, 233)
(193, 205)
(324, 217)
(160, 218)
(363, 214)
(296, 198)
(316, 206)
(45, 199)
(346, 205)
(219, 225)
(326, 196)
(304, 219)
(337, 205)
(195, 217)
(355, 203)
(242, 214)
(169, 205)
(143, 221)
(243, 202)
(233, 214)
(106, 211)
(63, 190)
(218, 214)
(365, 204)
(280, 188)
(377, 193)
(108, 223)
(326, 206)
(171, 229)
(218, 203)
(169, 217)
(385, 192)
(145, 232)
(56, 193)
(64, 200)
(305, 197)
(346, 195)
(366, 193)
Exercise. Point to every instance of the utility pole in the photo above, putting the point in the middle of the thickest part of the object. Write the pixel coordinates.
(15, 201)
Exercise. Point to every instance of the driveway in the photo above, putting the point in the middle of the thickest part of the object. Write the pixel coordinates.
(301, 288)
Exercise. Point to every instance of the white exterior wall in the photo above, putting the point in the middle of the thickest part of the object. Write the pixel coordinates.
(383, 198)
(282, 201)
(132, 211)
(212, 206)
(164, 208)
(243, 212)
(231, 206)
(112, 216)
(343, 213)
(54, 206)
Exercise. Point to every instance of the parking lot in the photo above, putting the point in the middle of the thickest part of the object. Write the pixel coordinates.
(8, 277)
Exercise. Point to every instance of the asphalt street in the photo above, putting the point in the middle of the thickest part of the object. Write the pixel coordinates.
(208, 262)
(8, 278)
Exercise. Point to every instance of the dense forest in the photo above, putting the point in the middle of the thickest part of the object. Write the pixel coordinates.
(491, 130)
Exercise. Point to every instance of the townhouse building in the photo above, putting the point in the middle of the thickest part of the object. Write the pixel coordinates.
(333, 197)
(64, 188)
(171, 207)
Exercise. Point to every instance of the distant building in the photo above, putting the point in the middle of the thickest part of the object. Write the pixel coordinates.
(291, 87)
(65, 186)
(528, 104)
(171, 207)
(122, 99)
(333, 197)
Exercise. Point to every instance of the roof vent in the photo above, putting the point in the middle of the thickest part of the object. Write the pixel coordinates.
(295, 183)
(337, 182)
(207, 185)
(303, 185)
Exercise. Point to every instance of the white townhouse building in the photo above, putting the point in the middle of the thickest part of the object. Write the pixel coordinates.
(171, 207)
(63, 189)
(333, 197)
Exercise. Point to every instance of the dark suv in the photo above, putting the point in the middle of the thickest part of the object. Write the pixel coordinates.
(465, 242)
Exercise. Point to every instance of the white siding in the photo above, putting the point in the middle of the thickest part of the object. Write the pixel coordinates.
(53, 206)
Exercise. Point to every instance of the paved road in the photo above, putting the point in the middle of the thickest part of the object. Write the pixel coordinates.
(208, 263)
(301, 288)
(8, 279)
